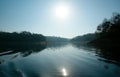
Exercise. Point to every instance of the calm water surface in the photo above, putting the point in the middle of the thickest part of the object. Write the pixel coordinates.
(57, 61)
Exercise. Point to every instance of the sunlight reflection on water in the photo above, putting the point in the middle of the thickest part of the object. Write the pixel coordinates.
(64, 72)
(57, 61)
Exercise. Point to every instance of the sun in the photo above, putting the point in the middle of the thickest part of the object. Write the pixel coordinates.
(61, 11)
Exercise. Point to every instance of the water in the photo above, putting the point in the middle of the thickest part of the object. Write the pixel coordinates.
(67, 60)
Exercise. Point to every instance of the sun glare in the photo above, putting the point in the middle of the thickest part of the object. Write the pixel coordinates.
(64, 72)
(61, 11)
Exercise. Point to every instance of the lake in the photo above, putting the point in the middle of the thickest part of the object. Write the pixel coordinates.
(57, 60)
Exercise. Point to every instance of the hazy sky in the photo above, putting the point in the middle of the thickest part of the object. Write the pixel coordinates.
(65, 18)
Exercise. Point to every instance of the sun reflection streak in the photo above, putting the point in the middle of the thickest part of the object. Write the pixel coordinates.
(64, 72)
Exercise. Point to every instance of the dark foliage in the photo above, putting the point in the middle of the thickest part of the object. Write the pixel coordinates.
(23, 37)
(110, 28)
(24, 42)
(108, 33)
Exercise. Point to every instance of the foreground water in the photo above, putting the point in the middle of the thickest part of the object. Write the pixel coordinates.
(57, 61)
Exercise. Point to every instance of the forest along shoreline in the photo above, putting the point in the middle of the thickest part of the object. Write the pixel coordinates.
(106, 38)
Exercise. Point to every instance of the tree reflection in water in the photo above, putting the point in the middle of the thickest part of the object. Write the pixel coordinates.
(23, 49)
(67, 61)
(107, 54)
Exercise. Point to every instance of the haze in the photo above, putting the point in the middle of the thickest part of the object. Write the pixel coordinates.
(64, 18)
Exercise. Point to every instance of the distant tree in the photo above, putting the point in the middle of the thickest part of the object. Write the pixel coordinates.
(83, 39)
(6, 37)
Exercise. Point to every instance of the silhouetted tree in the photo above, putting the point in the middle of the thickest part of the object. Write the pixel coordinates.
(23, 37)
(108, 32)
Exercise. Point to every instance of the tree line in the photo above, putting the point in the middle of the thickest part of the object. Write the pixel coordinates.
(108, 32)
(22, 37)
